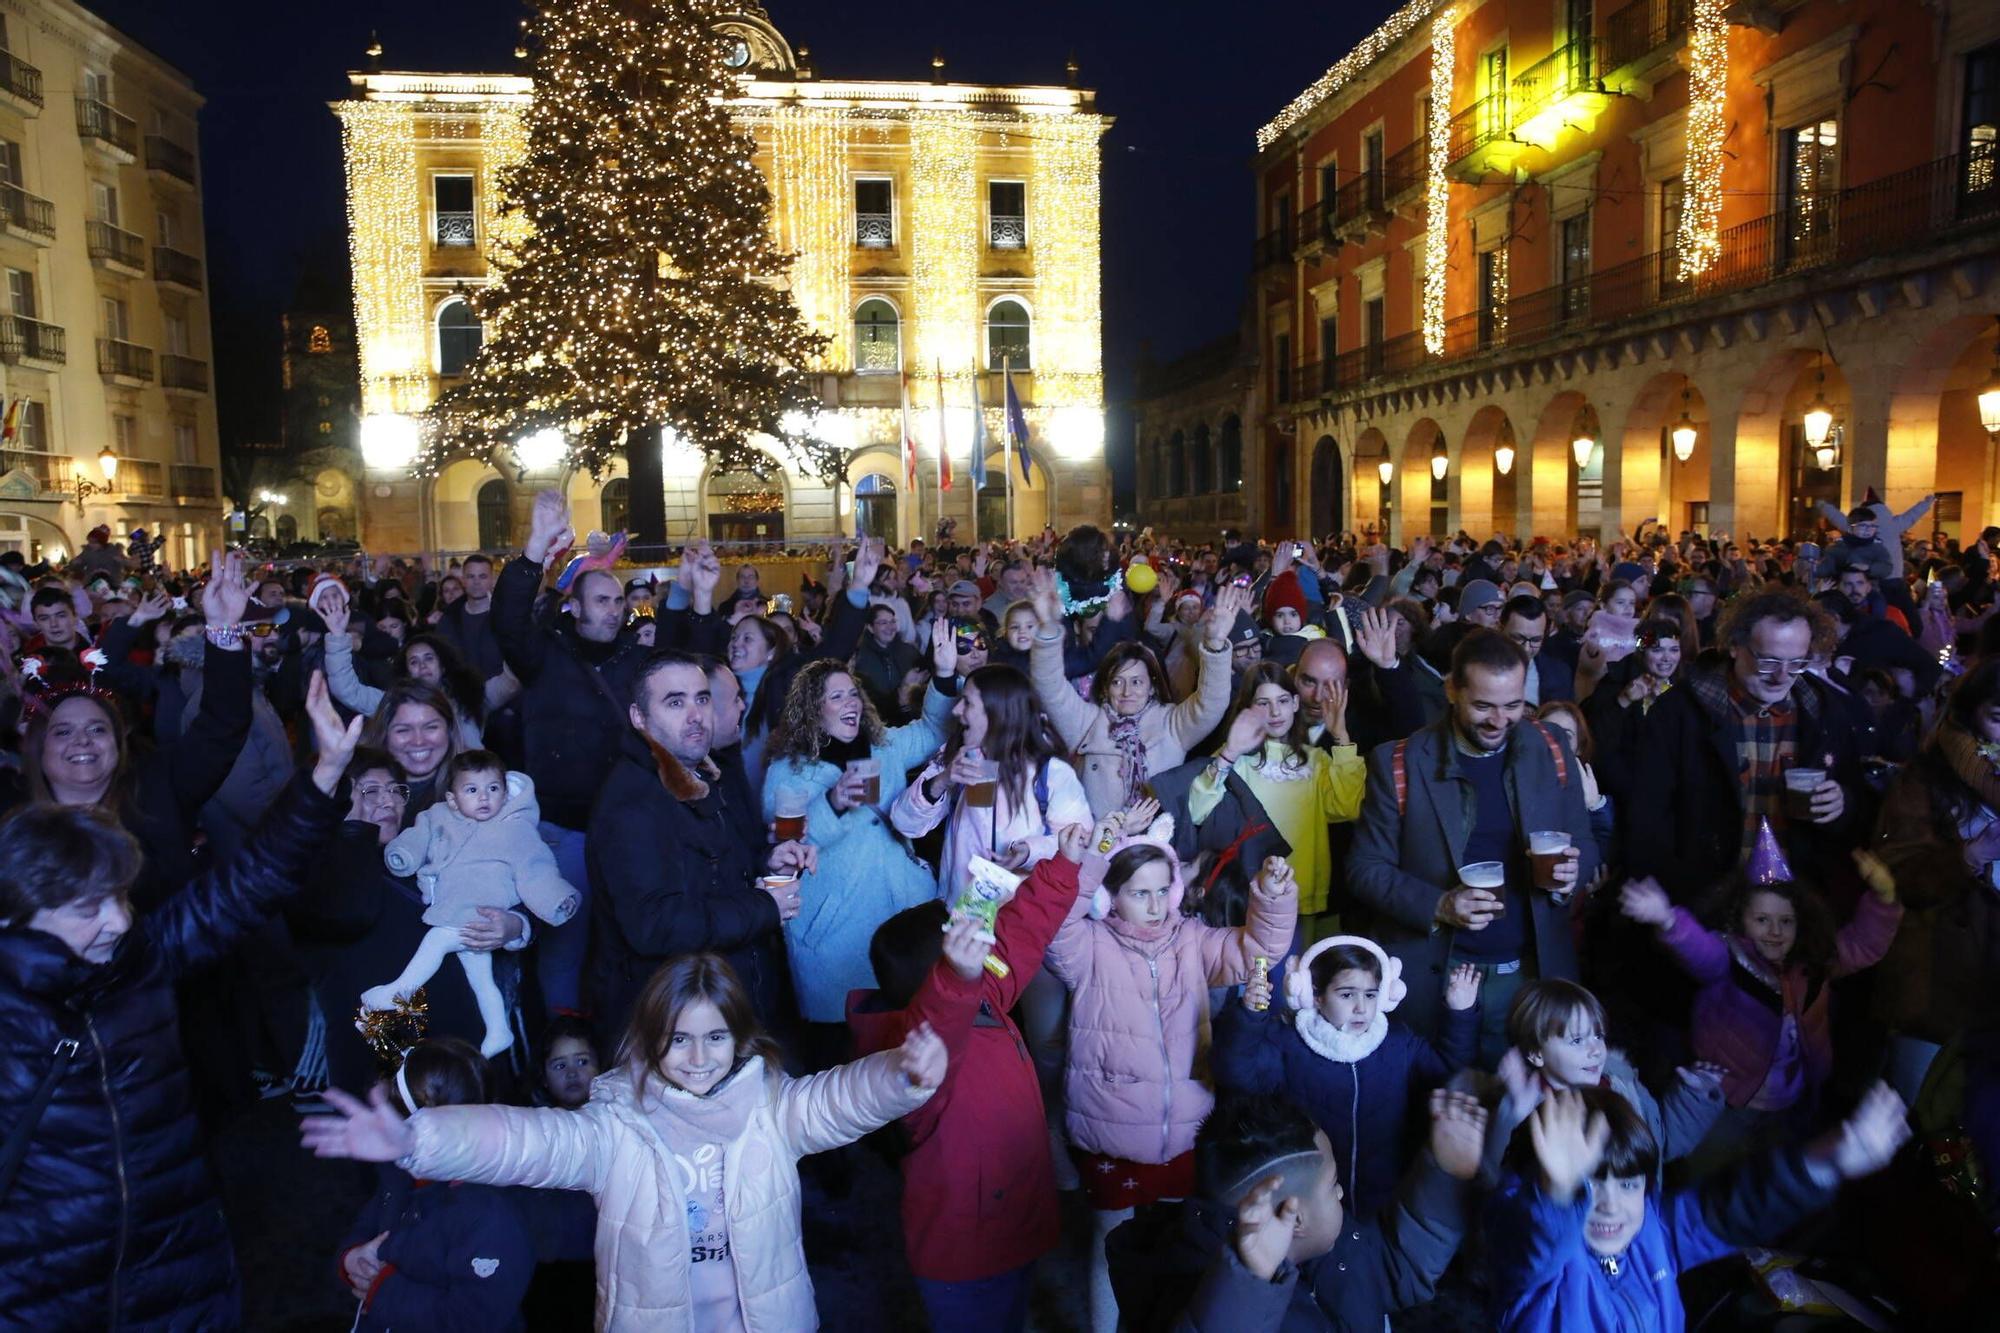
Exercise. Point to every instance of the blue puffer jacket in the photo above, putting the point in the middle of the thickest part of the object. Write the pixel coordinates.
(1362, 1107)
(457, 1258)
(113, 1222)
(866, 873)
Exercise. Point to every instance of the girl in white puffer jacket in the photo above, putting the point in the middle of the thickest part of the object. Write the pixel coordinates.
(689, 1148)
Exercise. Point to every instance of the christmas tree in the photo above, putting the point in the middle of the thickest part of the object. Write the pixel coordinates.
(645, 289)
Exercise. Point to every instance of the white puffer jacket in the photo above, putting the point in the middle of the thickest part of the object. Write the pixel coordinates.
(617, 1149)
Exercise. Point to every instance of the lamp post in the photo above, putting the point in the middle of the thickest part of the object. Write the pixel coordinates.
(1440, 461)
(1503, 459)
(1683, 433)
(1818, 419)
(107, 462)
(1386, 470)
(1581, 448)
(1989, 394)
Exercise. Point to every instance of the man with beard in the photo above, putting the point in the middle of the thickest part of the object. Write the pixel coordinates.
(676, 850)
(1467, 791)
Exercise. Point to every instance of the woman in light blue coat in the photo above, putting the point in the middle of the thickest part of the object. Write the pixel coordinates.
(866, 872)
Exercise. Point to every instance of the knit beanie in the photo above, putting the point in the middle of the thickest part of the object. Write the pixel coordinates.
(1284, 591)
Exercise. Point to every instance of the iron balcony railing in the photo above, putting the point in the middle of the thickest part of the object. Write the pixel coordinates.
(1316, 224)
(1573, 68)
(137, 476)
(456, 230)
(164, 155)
(1272, 248)
(22, 338)
(177, 267)
(1407, 168)
(874, 231)
(1938, 200)
(183, 372)
(190, 481)
(1482, 123)
(1359, 197)
(95, 120)
(20, 78)
(1641, 28)
(53, 473)
(29, 212)
(115, 245)
(1007, 232)
(125, 360)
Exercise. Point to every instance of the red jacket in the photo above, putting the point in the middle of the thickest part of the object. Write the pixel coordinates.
(979, 1191)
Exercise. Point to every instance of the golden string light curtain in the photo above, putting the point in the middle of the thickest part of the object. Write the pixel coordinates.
(808, 147)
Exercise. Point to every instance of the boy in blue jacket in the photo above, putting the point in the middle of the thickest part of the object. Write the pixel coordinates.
(1579, 1242)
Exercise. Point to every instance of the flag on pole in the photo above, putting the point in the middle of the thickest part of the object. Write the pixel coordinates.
(1017, 427)
(978, 469)
(909, 440)
(10, 424)
(944, 438)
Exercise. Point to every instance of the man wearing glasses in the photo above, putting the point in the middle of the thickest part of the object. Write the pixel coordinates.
(1527, 622)
(1714, 756)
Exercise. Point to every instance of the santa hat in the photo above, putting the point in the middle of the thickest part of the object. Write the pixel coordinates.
(1298, 980)
(322, 583)
(1160, 834)
(1767, 859)
(1285, 590)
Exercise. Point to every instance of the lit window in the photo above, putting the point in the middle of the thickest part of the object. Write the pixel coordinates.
(459, 336)
(1007, 336)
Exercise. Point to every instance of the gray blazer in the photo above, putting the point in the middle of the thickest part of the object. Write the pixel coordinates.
(1404, 858)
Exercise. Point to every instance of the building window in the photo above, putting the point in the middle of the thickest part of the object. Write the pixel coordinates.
(615, 505)
(878, 346)
(1007, 336)
(1573, 267)
(1230, 455)
(1007, 215)
(1671, 194)
(1375, 331)
(451, 201)
(125, 436)
(1808, 176)
(1980, 142)
(33, 428)
(874, 213)
(21, 293)
(104, 202)
(1281, 222)
(495, 527)
(1329, 182)
(459, 336)
(184, 443)
(10, 163)
(1203, 458)
(117, 319)
(1493, 122)
(1329, 338)
(1281, 365)
(96, 86)
(1177, 465)
(1373, 159)
(174, 327)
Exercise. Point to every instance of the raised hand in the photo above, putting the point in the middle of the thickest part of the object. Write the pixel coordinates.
(153, 606)
(1569, 1142)
(1265, 1225)
(547, 522)
(944, 647)
(1257, 993)
(966, 944)
(1702, 1076)
(868, 556)
(1246, 736)
(366, 1132)
(1523, 1083)
(1864, 1145)
(1221, 617)
(1334, 711)
(1073, 842)
(1875, 875)
(1046, 599)
(1461, 991)
(1139, 815)
(1376, 637)
(227, 592)
(1644, 901)
(923, 1057)
(335, 741)
(335, 611)
(1277, 880)
(1458, 1133)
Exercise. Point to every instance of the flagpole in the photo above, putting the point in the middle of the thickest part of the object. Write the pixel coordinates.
(1007, 439)
(977, 470)
(943, 441)
(910, 473)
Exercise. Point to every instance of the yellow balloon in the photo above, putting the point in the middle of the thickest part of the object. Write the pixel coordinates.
(1141, 578)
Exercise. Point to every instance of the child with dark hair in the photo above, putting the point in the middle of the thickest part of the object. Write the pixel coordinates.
(482, 847)
(430, 1255)
(1267, 1243)
(1341, 1059)
(1762, 1010)
(1577, 1238)
(569, 1061)
(979, 1195)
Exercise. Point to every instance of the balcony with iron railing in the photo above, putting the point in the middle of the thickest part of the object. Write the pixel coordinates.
(1316, 230)
(1005, 231)
(1404, 174)
(1271, 249)
(183, 374)
(53, 474)
(24, 339)
(120, 360)
(1638, 38)
(137, 476)
(176, 268)
(1360, 205)
(457, 230)
(107, 130)
(1940, 201)
(20, 83)
(1480, 140)
(27, 215)
(111, 246)
(1561, 91)
(169, 159)
(191, 481)
(874, 231)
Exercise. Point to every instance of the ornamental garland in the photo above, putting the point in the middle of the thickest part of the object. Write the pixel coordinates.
(1365, 53)
(1444, 43)
(1699, 238)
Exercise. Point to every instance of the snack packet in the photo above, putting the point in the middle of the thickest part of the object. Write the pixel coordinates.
(990, 888)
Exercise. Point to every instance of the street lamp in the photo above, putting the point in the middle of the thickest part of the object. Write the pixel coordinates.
(1503, 459)
(1818, 417)
(1581, 447)
(278, 498)
(1440, 462)
(107, 462)
(541, 451)
(1989, 396)
(1683, 433)
(1386, 470)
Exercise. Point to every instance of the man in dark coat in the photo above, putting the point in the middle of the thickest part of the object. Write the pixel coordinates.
(1470, 788)
(676, 848)
(1527, 622)
(111, 1219)
(1714, 751)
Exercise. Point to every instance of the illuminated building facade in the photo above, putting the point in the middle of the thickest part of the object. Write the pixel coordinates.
(104, 330)
(1543, 267)
(940, 228)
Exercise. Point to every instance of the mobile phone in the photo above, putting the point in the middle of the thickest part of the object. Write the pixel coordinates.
(1298, 550)
(1241, 580)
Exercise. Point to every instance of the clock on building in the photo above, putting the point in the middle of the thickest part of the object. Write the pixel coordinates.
(738, 54)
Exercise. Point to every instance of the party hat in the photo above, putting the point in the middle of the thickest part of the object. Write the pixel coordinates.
(1767, 859)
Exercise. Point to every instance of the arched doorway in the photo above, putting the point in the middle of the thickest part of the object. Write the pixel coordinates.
(875, 506)
(288, 529)
(36, 539)
(614, 504)
(1374, 478)
(1426, 488)
(1328, 474)
(1489, 467)
(496, 527)
(747, 506)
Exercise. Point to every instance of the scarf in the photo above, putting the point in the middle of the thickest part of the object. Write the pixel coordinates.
(1132, 747)
(841, 753)
(1969, 761)
(750, 678)
(1334, 1044)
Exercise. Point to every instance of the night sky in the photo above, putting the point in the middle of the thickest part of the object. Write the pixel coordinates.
(1187, 83)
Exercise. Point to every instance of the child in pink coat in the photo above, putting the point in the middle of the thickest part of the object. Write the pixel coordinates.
(1139, 973)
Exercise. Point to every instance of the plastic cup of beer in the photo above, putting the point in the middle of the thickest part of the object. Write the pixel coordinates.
(790, 811)
(870, 773)
(980, 792)
(1490, 876)
(1800, 784)
(1547, 850)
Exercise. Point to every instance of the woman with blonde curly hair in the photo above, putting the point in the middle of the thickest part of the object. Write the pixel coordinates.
(831, 757)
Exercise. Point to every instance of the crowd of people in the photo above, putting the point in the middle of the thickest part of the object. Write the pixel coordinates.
(1309, 927)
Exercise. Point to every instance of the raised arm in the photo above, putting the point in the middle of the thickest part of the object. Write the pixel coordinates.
(1227, 952)
(544, 1148)
(1702, 954)
(826, 1110)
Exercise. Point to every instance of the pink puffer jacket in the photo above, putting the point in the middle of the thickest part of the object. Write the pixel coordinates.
(1141, 1000)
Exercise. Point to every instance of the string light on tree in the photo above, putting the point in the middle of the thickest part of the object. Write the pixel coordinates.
(1437, 190)
(1698, 241)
